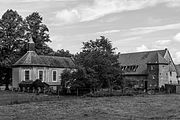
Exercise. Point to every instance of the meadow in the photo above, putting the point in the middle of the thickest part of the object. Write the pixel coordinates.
(42, 107)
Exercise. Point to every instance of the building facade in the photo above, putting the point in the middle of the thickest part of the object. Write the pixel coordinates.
(149, 69)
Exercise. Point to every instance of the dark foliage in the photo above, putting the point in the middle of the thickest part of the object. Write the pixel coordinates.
(98, 66)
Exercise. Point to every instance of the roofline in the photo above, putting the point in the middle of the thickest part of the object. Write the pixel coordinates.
(172, 60)
(15, 66)
(144, 51)
(135, 74)
(157, 63)
(53, 56)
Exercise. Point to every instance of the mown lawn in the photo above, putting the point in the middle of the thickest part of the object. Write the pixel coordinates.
(155, 107)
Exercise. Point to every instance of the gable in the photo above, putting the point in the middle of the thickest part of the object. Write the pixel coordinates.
(169, 59)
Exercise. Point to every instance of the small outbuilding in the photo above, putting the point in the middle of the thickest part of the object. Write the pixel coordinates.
(46, 68)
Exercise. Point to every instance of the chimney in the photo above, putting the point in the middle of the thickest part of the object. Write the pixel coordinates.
(31, 45)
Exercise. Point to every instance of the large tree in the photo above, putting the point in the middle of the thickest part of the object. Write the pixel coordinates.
(100, 63)
(12, 28)
(39, 33)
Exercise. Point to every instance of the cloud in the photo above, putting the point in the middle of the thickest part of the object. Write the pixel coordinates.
(177, 37)
(173, 3)
(129, 39)
(43, 0)
(143, 48)
(104, 7)
(177, 57)
(68, 16)
(163, 42)
(146, 30)
(56, 42)
(108, 31)
(100, 8)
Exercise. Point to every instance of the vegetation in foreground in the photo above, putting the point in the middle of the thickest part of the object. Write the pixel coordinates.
(158, 107)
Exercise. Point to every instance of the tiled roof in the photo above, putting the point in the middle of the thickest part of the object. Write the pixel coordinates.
(32, 59)
(141, 59)
(54, 61)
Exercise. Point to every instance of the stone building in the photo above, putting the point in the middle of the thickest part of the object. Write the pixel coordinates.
(149, 69)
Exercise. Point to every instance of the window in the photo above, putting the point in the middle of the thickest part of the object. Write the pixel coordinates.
(170, 73)
(40, 75)
(54, 76)
(27, 75)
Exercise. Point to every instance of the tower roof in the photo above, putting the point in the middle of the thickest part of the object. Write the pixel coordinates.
(29, 59)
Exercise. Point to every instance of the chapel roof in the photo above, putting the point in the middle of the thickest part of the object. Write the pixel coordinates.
(32, 59)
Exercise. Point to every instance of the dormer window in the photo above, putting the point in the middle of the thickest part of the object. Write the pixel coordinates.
(130, 68)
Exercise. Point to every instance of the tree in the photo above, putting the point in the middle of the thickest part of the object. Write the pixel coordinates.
(11, 42)
(39, 33)
(62, 53)
(99, 56)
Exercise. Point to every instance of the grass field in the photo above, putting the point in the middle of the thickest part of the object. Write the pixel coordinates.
(153, 107)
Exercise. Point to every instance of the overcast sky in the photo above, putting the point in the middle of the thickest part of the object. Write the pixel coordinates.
(131, 25)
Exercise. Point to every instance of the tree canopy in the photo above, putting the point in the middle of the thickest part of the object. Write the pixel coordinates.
(99, 63)
(39, 33)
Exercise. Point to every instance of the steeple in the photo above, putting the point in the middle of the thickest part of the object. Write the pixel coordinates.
(31, 44)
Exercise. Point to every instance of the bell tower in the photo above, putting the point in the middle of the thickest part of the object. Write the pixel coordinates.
(31, 44)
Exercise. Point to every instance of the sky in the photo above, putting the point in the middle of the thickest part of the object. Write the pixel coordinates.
(131, 25)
